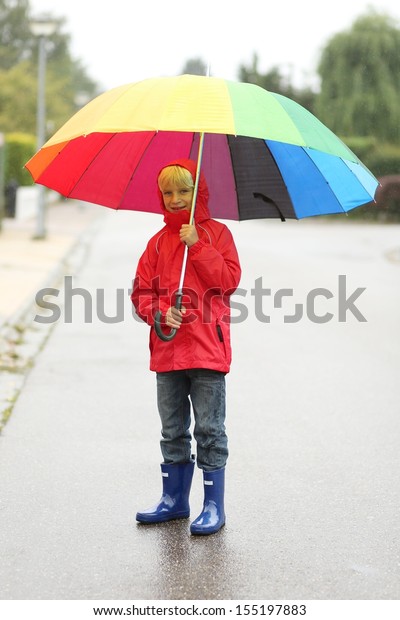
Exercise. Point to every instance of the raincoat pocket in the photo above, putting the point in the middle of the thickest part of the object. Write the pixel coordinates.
(222, 330)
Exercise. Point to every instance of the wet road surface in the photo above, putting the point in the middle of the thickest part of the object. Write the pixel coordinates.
(313, 491)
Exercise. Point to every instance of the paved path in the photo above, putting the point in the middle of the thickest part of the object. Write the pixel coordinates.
(313, 484)
(26, 263)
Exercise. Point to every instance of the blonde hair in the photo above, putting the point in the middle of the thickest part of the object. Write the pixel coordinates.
(175, 175)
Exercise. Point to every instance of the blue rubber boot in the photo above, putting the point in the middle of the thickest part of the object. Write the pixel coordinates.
(174, 502)
(212, 517)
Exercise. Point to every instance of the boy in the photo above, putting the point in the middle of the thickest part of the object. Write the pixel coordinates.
(194, 363)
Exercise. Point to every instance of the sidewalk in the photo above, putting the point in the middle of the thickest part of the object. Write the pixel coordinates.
(25, 263)
(26, 266)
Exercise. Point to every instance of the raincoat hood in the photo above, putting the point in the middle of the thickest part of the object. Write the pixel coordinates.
(175, 220)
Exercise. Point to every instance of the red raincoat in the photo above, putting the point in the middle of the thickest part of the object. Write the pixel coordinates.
(212, 275)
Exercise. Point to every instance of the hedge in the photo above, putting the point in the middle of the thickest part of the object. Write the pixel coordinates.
(384, 159)
(379, 157)
(19, 148)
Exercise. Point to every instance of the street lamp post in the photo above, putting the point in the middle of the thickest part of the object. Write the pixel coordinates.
(41, 27)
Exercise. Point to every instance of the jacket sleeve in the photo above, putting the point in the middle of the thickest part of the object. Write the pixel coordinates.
(217, 265)
(145, 289)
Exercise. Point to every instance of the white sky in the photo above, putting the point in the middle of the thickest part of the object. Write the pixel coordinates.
(121, 41)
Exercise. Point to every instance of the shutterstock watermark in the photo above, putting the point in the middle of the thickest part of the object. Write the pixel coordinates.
(258, 299)
(344, 303)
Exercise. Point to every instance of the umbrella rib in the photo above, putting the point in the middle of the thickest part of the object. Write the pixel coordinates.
(269, 200)
(354, 175)
(330, 187)
(234, 176)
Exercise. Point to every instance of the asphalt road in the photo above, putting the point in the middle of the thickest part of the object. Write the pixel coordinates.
(313, 484)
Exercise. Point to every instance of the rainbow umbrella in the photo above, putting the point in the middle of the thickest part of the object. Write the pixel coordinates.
(264, 155)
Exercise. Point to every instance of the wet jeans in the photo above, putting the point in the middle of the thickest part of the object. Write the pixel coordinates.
(205, 390)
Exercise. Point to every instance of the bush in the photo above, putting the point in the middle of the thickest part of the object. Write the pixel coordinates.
(19, 148)
(362, 146)
(381, 158)
(384, 160)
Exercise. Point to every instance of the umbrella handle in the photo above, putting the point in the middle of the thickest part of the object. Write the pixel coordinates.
(157, 321)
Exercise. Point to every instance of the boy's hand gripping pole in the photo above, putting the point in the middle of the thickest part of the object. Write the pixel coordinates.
(179, 293)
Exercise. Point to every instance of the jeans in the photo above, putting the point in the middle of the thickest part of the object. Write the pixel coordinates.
(205, 390)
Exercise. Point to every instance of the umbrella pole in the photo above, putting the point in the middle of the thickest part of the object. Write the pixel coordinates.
(179, 293)
(192, 212)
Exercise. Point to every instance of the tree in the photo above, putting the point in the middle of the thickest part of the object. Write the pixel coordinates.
(67, 82)
(360, 79)
(18, 88)
(195, 66)
(15, 36)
